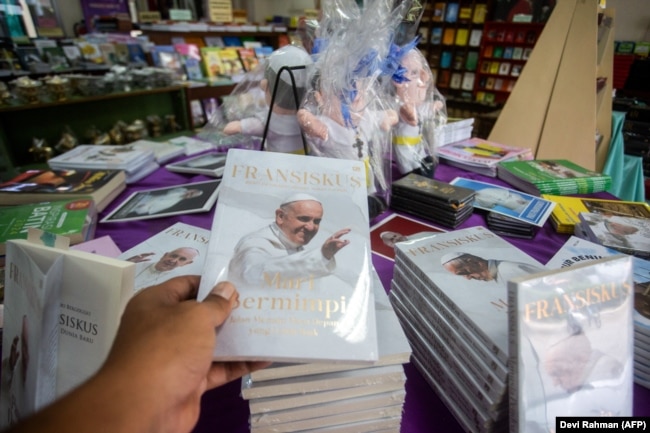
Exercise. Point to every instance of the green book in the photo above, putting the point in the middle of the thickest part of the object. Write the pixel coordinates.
(75, 219)
(552, 176)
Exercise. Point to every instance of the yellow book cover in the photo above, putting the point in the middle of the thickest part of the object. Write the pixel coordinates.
(232, 65)
(212, 64)
(480, 12)
(465, 13)
(462, 36)
(567, 208)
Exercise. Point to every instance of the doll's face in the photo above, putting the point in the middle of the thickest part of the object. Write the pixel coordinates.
(413, 91)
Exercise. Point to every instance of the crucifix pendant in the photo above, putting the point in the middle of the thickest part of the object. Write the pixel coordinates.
(358, 144)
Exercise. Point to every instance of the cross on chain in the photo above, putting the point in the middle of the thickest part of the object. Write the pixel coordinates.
(358, 144)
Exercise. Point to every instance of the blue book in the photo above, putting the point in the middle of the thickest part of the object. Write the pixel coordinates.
(445, 59)
(451, 16)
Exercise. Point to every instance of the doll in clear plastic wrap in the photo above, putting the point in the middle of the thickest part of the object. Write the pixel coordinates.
(283, 134)
(346, 112)
(350, 124)
(421, 109)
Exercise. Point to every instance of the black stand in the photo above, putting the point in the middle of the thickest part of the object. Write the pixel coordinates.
(290, 70)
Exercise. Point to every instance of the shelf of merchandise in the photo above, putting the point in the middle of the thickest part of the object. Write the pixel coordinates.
(273, 38)
(504, 51)
(556, 108)
(451, 34)
(20, 124)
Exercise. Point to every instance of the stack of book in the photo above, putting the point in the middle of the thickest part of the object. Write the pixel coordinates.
(136, 163)
(481, 156)
(454, 130)
(35, 186)
(341, 396)
(449, 293)
(552, 176)
(577, 250)
(628, 235)
(75, 219)
(163, 151)
(566, 210)
(505, 225)
(433, 200)
(510, 212)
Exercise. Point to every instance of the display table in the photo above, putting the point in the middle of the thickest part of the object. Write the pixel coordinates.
(225, 411)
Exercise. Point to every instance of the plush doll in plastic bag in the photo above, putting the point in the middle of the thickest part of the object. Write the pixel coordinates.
(421, 109)
(284, 70)
(346, 112)
(247, 99)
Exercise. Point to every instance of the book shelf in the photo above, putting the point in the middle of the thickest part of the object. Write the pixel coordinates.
(451, 37)
(555, 109)
(505, 48)
(275, 37)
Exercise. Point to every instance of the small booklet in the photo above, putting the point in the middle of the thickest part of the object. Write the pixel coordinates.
(509, 202)
(166, 201)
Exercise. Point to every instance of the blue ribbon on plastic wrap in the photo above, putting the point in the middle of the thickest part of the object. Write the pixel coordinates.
(392, 65)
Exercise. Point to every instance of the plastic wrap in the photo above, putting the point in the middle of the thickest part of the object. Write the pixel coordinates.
(421, 109)
(271, 85)
(347, 112)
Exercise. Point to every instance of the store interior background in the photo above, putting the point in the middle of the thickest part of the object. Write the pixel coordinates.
(632, 24)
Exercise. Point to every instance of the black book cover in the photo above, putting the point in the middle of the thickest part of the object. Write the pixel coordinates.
(431, 189)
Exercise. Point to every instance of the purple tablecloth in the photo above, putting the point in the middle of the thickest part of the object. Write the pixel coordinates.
(224, 411)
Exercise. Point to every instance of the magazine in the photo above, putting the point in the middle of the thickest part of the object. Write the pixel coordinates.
(166, 201)
(571, 343)
(552, 176)
(481, 156)
(292, 233)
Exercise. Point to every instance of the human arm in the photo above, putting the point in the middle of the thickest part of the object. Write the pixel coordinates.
(158, 368)
(144, 257)
(334, 243)
(262, 255)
